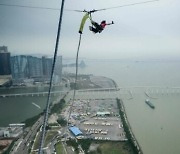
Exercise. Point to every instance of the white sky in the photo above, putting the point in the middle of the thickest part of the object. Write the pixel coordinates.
(148, 30)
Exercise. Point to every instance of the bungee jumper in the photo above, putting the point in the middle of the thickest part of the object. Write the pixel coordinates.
(98, 28)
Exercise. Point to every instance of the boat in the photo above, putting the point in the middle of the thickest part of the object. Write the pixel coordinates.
(149, 103)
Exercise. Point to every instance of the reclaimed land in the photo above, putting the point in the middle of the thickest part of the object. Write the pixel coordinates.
(104, 147)
(91, 82)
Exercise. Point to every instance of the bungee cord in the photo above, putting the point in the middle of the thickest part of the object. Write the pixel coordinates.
(75, 85)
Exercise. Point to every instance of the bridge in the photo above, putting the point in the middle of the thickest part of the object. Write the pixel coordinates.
(57, 93)
(126, 92)
(53, 93)
(149, 91)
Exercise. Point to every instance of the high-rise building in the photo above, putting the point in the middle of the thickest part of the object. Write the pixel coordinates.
(38, 69)
(35, 67)
(19, 67)
(3, 49)
(47, 66)
(5, 66)
(24, 66)
(58, 67)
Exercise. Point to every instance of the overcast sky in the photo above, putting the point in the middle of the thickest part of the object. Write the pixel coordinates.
(140, 31)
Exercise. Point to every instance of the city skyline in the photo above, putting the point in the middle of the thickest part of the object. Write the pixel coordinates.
(18, 68)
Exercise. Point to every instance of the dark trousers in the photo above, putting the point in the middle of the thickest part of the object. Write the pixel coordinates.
(97, 28)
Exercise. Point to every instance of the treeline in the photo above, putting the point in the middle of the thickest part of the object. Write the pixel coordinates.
(57, 108)
(85, 144)
(30, 121)
(126, 128)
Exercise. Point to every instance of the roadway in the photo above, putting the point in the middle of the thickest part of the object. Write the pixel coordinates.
(24, 143)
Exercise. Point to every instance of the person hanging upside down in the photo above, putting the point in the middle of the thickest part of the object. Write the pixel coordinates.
(98, 28)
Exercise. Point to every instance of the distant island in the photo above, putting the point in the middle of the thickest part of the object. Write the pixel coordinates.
(81, 64)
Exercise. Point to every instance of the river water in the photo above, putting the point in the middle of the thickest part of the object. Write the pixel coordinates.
(157, 131)
(19, 108)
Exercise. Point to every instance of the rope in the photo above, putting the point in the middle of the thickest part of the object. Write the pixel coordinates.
(92, 11)
(126, 5)
(56, 9)
(75, 83)
(50, 86)
(91, 19)
(31, 7)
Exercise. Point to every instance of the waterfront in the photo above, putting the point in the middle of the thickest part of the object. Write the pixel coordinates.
(157, 131)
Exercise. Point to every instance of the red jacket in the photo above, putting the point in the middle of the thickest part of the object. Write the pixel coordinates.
(103, 25)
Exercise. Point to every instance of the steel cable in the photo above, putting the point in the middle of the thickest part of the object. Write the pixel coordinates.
(50, 86)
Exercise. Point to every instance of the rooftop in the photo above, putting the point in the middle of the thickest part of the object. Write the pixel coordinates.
(103, 113)
(75, 130)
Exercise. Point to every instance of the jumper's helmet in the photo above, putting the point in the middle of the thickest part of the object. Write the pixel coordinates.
(104, 21)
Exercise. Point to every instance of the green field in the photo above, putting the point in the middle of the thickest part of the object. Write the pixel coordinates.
(48, 138)
(113, 148)
(59, 148)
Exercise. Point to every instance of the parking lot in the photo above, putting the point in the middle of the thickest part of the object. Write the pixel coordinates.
(98, 119)
(101, 128)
